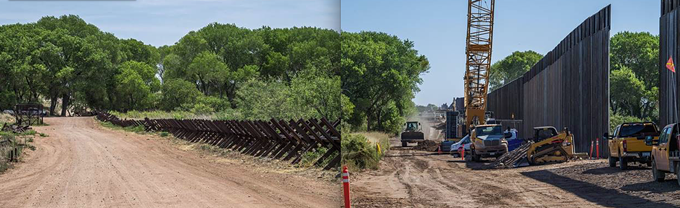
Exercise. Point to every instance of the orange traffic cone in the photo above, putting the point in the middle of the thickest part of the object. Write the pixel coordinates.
(439, 150)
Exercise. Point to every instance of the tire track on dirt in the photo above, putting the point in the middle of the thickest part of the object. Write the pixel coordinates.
(431, 180)
(83, 165)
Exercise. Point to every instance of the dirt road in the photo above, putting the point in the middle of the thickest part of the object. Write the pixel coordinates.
(410, 178)
(82, 164)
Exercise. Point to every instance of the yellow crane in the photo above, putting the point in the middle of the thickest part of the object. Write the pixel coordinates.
(478, 59)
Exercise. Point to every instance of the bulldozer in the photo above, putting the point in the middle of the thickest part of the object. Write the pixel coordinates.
(412, 133)
(547, 146)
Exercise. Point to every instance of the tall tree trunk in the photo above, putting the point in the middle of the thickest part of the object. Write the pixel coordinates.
(53, 103)
(64, 103)
(368, 121)
(380, 126)
(231, 94)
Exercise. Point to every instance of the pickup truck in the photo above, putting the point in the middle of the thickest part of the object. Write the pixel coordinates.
(665, 153)
(627, 144)
(487, 141)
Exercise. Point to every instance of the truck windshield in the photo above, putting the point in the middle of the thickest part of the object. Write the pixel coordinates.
(637, 130)
(411, 126)
(489, 130)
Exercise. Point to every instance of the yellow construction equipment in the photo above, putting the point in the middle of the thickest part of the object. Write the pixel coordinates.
(478, 59)
(547, 146)
(550, 146)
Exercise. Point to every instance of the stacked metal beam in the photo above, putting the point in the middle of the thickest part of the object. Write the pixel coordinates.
(278, 139)
(568, 88)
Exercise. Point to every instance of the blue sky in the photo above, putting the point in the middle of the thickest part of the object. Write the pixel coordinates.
(164, 22)
(438, 29)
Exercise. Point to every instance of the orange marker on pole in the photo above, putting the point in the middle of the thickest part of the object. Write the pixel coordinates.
(345, 185)
(597, 144)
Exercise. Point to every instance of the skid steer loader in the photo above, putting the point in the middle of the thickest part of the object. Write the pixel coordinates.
(550, 146)
(546, 146)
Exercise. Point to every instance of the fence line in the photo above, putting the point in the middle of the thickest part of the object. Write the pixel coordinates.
(278, 139)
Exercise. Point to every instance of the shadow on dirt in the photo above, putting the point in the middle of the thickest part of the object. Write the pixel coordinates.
(593, 193)
(611, 170)
(653, 186)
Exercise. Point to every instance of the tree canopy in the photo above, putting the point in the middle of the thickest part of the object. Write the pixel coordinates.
(634, 77)
(71, 64)
(512, 67)
(380, 76)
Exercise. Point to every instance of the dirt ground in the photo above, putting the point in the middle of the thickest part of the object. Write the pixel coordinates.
(412, 178)
(82, 164)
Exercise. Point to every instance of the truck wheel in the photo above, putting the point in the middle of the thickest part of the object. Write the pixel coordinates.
(656, 174)
(612, 161)
(404, 144)
(623, 163)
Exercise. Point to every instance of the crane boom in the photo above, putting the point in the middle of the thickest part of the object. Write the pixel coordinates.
(478, 59)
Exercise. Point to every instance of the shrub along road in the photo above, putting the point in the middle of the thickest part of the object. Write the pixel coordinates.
(83, 164)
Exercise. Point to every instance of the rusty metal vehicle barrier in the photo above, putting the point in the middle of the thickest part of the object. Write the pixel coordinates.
(278, 139)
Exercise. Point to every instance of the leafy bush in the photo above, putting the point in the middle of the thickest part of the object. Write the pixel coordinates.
(217, 104)
(177, 92)
(358, 153)
(201, 109)
(164, 134)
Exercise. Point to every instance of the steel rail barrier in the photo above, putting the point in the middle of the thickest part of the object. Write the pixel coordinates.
(278, 139)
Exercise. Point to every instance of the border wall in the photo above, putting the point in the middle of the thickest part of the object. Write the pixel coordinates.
(569, 87)
(668, 48)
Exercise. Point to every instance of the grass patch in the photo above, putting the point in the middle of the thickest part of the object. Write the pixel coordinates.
(43, 135)
(28, 133)
(109, 125)
(164, 134)
(134, 129)
(228, 114)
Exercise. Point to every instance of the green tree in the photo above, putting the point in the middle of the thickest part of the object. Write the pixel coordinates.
(177, 92)
(380, 74)
(637, 56)
(207, 70)
(136, 84)
(318, 91)
(512, 67)
(132, 89)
